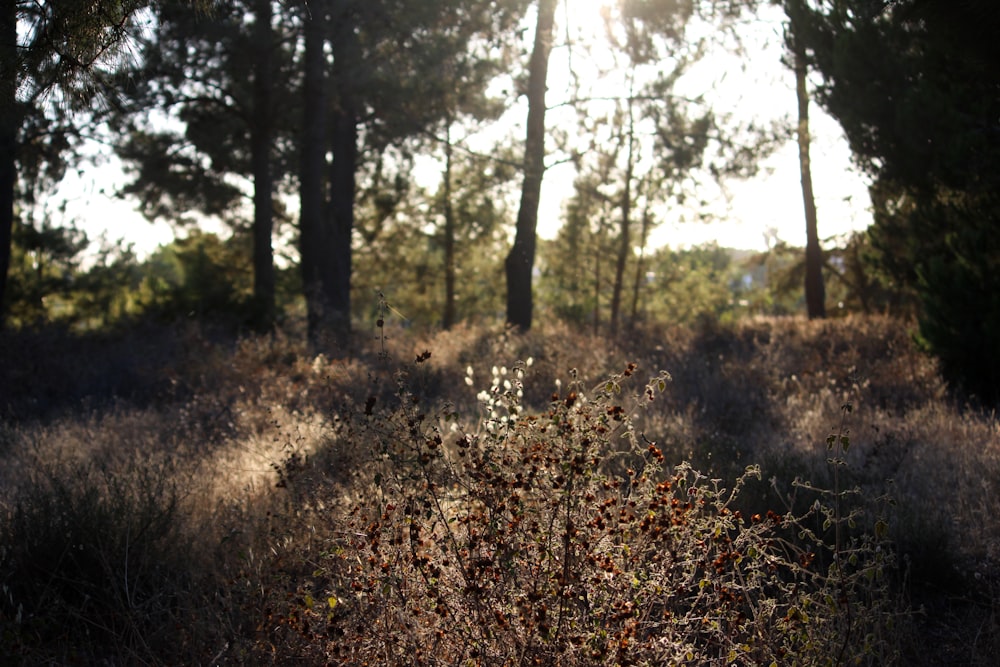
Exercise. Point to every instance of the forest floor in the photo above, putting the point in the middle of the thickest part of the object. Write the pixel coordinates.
(167, 492)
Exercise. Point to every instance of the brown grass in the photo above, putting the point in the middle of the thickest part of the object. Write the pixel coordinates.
(254, 456)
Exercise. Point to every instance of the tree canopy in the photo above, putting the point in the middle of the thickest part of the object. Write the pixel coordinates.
(915, 86)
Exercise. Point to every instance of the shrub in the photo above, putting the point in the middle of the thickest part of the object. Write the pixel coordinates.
(90, 565)
(566, 538)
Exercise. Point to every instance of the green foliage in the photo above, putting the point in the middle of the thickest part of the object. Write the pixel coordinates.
(858, 282)
(690, 285)
(914, 86)
(44, 261)
(110, 291)
(404, 244)
(961, 316)
(199, 276)
(675, 286)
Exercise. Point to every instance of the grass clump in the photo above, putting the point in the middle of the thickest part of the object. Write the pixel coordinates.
(565, 537)
(91, 564)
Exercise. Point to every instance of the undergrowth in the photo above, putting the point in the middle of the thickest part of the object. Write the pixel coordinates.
(251, 502)
(566, 538)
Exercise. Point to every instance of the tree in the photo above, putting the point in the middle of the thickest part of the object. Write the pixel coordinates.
(915, 86)
(9, 122)
(403, 247)
(44, 259)
(262, 144)
(54, 60)
(815, 295)
(471, 203)
(313, 147)
(194, 71)
(382, 87)
(520, 262)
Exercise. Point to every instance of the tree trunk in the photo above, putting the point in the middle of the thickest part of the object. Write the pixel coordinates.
(521, 260)
(343, 185)
(448, 316)
(312, 236)
(261, 139)
(624, 224)
(8, 138)
(599, 252)
(341, 213)
(597, 288)
(639, 264)
(815, 297)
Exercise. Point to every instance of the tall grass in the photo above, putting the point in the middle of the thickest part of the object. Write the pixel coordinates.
(250, 502)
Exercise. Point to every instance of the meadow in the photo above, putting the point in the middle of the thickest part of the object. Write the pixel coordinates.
(772, 491)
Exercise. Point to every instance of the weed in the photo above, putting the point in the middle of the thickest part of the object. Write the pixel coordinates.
(565, 538)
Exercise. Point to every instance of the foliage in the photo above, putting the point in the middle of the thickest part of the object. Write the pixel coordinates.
(674, 286)
(55, 62)
(91, 563)
(185, 121)
(914, 87)
(404, 242)
(44, 262)
(561, 538)
(199, 276)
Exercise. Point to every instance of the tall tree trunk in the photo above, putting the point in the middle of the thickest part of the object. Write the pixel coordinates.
(261, 139)
(8, 138)
(343, 184)
(521, 259)
(599, 252)
(312, 236)
(815, 296)
(624, 223)
(640, 262)
(341, 213)
(449, 316)
(597, 287)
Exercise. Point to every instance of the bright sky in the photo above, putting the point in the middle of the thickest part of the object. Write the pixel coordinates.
(756, 85)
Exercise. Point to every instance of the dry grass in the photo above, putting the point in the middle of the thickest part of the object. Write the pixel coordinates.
(253, 457)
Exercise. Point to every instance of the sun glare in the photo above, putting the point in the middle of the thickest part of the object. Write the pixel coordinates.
(585, 21)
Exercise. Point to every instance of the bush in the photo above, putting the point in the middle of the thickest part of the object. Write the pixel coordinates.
(90, 565)
(566, 538)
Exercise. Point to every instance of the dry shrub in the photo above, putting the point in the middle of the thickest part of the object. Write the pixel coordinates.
(565, 538)
(271, 452)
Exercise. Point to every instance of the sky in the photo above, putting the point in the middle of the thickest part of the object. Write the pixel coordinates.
(744, 214)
